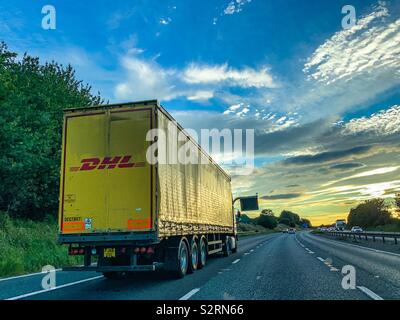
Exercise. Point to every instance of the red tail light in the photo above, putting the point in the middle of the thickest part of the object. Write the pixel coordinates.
(150, 250)
(136, 250)
(143, 250)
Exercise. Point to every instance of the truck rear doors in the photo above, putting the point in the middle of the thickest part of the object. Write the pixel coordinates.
(106, 182)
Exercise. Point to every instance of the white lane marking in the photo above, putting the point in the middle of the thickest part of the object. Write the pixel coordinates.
(246, 253)
(354, 245)
(258, 277)
(321, 259)
(236, 261)
(188, 295)
(251, 250)
(370, 293)
(311, 252)
(26, 275)
(333, 269)
(52, 289)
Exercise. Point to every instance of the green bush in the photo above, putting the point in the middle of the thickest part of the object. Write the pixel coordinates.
(27, 246)
(269, 222)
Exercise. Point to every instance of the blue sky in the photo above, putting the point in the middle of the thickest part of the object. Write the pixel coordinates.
(288, 69)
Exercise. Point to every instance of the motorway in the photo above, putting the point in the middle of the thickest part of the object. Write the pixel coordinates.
(275, 266)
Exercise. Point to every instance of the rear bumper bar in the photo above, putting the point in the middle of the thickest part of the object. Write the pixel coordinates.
(106, 238)
(153, 267)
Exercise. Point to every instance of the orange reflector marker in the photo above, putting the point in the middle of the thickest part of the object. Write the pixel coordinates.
(139, 224)
(73, 226)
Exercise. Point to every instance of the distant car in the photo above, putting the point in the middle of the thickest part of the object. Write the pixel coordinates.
(356, 229)
(292, 231)
(285, 230)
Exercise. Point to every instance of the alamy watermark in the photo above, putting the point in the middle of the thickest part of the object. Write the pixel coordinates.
(49, 280)
(350, 18)
(233, 148)
(49, 20)
(349, 277)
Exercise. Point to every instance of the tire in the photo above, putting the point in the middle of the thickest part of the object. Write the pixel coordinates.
(182, 264)
(194, 256)
(234, 250)
(226, 247)
(202, 253)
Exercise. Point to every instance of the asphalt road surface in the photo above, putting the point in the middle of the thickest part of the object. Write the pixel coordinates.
(275, 266)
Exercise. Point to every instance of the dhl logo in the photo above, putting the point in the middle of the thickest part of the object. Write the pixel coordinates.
(107, 163)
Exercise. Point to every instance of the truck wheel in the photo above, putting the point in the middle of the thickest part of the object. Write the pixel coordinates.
(202, 253)
(194, 256)
(226, 247)
(182, 265)
(234, 249)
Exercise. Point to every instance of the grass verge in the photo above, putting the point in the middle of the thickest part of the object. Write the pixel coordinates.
(27, 246)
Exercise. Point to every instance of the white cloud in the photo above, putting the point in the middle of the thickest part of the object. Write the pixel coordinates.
(246, 77)
(235, 6)
(385, 122)
(201, 95)
(145, 79)
(371, 45)
(165, 21)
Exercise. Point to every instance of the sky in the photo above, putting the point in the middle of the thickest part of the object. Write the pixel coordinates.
(324, 100)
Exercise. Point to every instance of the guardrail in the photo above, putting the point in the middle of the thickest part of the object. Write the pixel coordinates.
(366, 235)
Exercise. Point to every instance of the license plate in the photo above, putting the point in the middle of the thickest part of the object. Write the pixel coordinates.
(109, 253)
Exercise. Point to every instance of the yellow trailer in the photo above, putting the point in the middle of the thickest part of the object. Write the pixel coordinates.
(129, 212)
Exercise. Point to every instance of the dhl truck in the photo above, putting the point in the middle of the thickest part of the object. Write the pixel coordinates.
(124, 213)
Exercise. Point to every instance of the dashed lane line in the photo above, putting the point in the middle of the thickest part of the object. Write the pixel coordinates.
(370, 293)
(52, 289)
(191, 293)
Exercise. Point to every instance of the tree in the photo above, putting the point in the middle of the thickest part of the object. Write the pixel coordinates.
(397, 201)
(267, 221)
(289, 218)
(371, 213)
(268, 212)
(32, 97)
(307, 222)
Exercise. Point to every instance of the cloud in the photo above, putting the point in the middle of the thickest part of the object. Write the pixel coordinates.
(368, 173)
(245, 78)
(165, 21)
(385, 122)
(352, 68)
(368, 47)
(146, 79)
(235, 6)
(347, 166)
(282, 196)
(202, 95)
(326, 156)
(118, 17)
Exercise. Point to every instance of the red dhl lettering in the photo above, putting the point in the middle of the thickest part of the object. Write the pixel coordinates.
(107, 163)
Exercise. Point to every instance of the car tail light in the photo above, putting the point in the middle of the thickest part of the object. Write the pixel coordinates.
(150, 250)
(136, 250)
